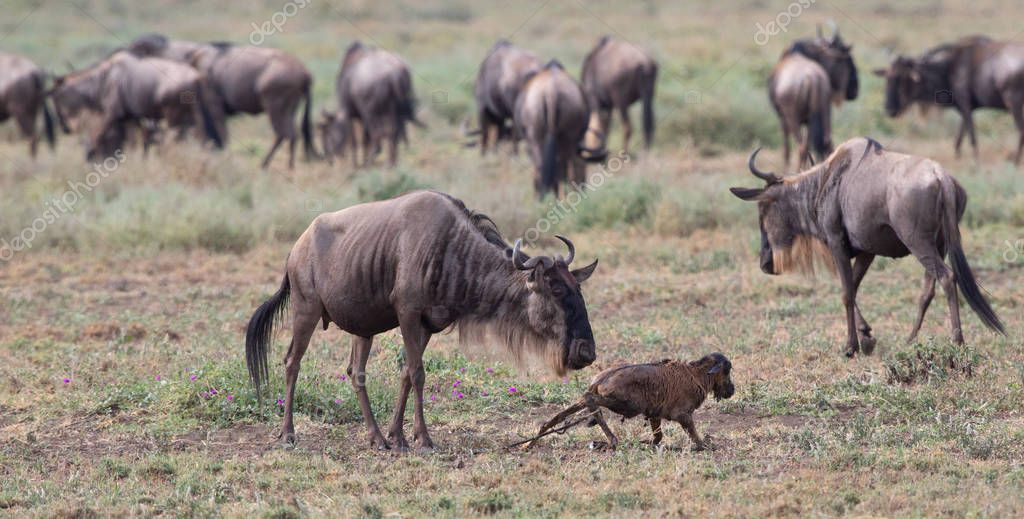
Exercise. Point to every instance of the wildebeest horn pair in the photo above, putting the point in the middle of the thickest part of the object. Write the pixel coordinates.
(767, 176)
(531, 263)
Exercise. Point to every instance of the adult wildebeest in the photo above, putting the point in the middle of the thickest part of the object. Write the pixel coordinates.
(125, 89)
(254, 80)
(23, 96)
(374, 89)
(615, 75)
(863, 202)
(421, 262)
(810, 76)
(551, 114)
(502, 75)
(974, 72)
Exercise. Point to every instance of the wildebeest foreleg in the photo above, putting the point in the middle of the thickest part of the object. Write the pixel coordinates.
(303, 325)
(613, 442)
(842, 260)
(415, 337)
(395, 434)
(959, 138)
(627, 127)
(1015, 104)
(860, 267)
(357, 374)
(686, 420)
(968, 122)
(927, 293)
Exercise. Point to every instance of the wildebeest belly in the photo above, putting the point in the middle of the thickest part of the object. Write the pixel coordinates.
(882, 241)
(361, 318)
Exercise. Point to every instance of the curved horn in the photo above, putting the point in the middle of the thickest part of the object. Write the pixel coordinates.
(834, 29)
(572, 249)
(768, 177)
(530, 264)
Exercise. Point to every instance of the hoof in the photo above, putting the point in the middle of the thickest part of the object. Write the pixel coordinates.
(378, 443)
(850, 352)
(867, 344)
(289, 439)
(600, 445)
(699, 447)
(398, 443)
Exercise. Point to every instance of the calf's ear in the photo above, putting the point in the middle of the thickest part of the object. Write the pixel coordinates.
(746, 193)
(715, 369)
(583, 274)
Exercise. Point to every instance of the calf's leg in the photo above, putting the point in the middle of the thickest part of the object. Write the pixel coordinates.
(655, 430)
(686, 420)
(559, 418)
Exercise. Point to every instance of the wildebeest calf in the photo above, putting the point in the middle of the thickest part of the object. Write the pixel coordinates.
(666, 390)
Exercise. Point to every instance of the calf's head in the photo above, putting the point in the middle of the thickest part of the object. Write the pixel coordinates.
(555, 306)
(718, 367)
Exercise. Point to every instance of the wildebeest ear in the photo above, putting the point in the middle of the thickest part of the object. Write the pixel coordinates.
(583, 274)
(880, 72)
(747, 193)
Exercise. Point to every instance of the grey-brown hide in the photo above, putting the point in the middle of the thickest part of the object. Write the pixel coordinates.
(501, 77)
(971, 73)
(375, 94)
(255, 80)
(667, 390)
(615, 75)
(551, 114)
(861, 202)
(23, 98)
(421, 262)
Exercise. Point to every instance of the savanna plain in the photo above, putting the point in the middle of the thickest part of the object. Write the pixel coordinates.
(123, 388)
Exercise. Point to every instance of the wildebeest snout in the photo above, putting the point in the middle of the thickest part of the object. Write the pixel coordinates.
(724, 390)
(581, 354)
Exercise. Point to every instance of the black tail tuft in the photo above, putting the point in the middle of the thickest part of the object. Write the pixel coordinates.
(209, 127)
(51, 134)
(972, 293)
(260, 333)
(816, 128)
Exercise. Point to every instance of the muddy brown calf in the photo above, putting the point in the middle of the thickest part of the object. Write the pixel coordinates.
(666, 390)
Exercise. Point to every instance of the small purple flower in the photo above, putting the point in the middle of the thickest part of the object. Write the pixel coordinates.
(512, 390)
(565, 380)
(483, 393)
(280, 402)
(205, 394)
(456, 383)
(213, 392)
(462, 369)
(433, 398)
(231, 398)
(337, 401)
(67, 381)
(342, 378)
(193, 377)
(158, 378)
(490, 371)
(459, 396)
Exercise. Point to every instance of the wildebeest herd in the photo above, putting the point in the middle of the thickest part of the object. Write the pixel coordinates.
(424, 263)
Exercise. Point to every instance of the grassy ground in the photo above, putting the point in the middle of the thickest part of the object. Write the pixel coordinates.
(122, 384)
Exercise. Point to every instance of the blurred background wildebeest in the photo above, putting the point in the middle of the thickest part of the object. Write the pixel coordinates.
(615, 75)
(971, 73)
(811, 76)
(375, 94)
(501, 77)
(552, 114)
(23, 98)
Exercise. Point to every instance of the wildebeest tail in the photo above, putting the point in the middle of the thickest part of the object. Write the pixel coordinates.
(549, 154)
(648, 105)
(961, 269)
(51, 134)
(816, 126)
(209, 128)
(260, 333)
(307, 126)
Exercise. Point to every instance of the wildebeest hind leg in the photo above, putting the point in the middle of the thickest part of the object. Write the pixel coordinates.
(357, 374)
(27, 125)
(861, 264)
(415, 337)
(270, 154)
(613, 442)
(303, 324)
(927, 293)
(559, 418)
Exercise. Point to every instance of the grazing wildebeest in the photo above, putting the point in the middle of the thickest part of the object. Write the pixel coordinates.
(810, 76)
(254, 80)
(125, 89)
(160, 46)
(502, 75)
(863, 202)
(551, 114)
(23, 96)
(421, 262)
(666, 390)
(374, 89)
(615, 75)
(974, 72)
